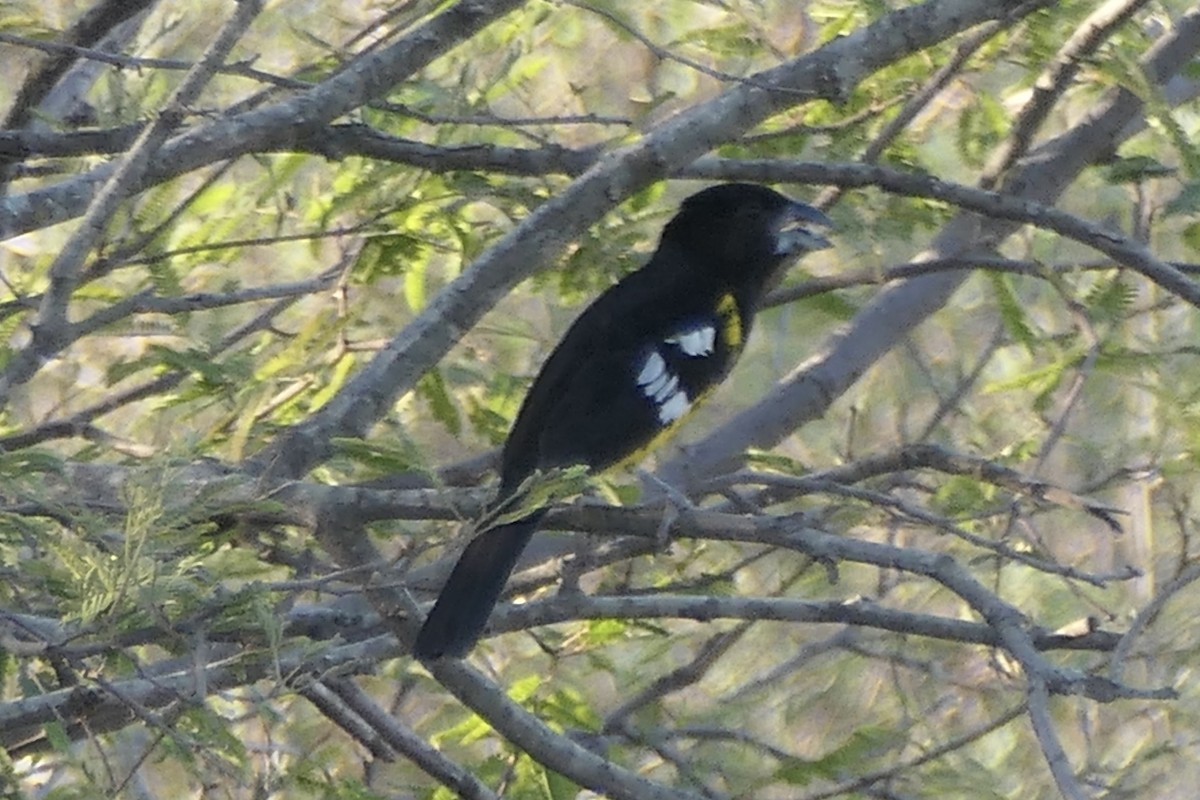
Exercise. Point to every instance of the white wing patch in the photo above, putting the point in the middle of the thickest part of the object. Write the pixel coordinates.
(675, 407)
(661, 385)
(653, 368)
(696, 342)
(663, 388)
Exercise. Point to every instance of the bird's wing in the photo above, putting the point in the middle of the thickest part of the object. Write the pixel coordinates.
(624, 397)
(601, 396)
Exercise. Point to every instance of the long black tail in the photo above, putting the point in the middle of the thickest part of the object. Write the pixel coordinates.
(471, 591)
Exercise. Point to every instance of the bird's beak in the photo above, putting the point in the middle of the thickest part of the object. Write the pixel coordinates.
(795, 234)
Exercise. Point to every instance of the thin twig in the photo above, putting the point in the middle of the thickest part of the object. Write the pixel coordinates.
(51, 331)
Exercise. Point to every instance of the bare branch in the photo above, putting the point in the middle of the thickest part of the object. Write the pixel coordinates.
(101, 710)
(681, 677)
(934, 753)
(50, 331)
(401, 739)
(828, 72)
(1056, 78)
(531, 735)
(1147, 615)
(88, 29)
(332, 706)
(810, 389)
(861, 613)
(1043, 726)
(997, 205)
(272, 126)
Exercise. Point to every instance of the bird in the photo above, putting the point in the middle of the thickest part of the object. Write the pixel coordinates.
(627, 371)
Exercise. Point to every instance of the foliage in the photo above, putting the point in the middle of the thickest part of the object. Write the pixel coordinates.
(245, 427)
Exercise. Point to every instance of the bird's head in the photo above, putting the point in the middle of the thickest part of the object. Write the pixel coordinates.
(795, 235)
(745, 226)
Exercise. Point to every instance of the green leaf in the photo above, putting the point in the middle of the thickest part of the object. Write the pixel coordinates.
(769, 459)
(432, 387)
(834, 304)
(961, 494)
(22, 463)
(380, 456)
(1111, 299)
(568, 708)
(980, 128)
(385, 256)
(1043, 380)
(737, 40)
(199, 363)
(863, 746)
(214, 198)
(539, 490)
(56, 735)
(1186, 202)
(561, 787)
(415, 283)
(601, 632)
(1134, 169)
(1012, 310)
(337, 379)
(1191, 235)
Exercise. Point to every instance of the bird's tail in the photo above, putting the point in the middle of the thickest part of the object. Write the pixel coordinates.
(469, 594)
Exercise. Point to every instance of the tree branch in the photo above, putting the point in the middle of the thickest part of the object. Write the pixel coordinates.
(830, 72)
(812, 387)
(272, 126)
(50, 332)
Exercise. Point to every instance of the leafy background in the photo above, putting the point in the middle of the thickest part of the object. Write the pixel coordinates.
(252, 401)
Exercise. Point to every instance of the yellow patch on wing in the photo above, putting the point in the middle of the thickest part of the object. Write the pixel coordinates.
(731, 321)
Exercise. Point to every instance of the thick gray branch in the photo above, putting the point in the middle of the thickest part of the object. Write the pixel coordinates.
(50, 331)
(1042, 176)
(830, 72)
(269, 127)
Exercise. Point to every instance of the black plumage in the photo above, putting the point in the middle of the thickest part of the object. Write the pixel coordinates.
(630, 367)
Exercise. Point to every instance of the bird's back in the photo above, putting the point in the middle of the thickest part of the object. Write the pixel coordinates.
(587, 406)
